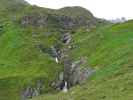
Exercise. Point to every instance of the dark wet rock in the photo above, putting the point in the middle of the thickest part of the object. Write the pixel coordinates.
(53, 51)
(58, 84)
(36, 92)
(66, 38)
(68, 22)
(32, 91)
(63, 76)
(56, 53)
(73, 74)
(27, 93)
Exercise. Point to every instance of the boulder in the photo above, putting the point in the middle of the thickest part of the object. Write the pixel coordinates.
(73, 74)
(85, 74)
(58, 84)
(27, 93)
(36, 92)
(56, 53)
(66, 38)
(32, 91)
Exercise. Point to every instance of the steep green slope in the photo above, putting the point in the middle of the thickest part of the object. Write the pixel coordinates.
(109, 50)
(25, 32)
(8, 7)
(21, 61)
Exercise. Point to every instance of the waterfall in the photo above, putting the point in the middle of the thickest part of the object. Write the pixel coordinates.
(65, 89)
(56, 59)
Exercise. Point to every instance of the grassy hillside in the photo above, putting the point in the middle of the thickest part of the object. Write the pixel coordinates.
(22, 62)
(75, 12)
(8, 7)
(109, 51)
(27, 34)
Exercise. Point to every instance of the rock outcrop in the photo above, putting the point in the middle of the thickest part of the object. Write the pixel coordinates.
(66, 39)
(32, 91)
(61, 19)
(63, 22)
(53, 51)
(72, 74)
(35, 20)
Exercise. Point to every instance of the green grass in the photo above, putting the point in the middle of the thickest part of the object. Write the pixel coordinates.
(22, 63)
(109, 50)
(75, 11)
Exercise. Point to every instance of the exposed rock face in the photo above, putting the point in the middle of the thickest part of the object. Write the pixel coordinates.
(72, 74)
(64, 22)
(69, 22)
(66, 39)
(67, 70)
(62, 19)
(75, 75)
(55, 51)
(27, 93)
(34, 20)
(30, 91)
